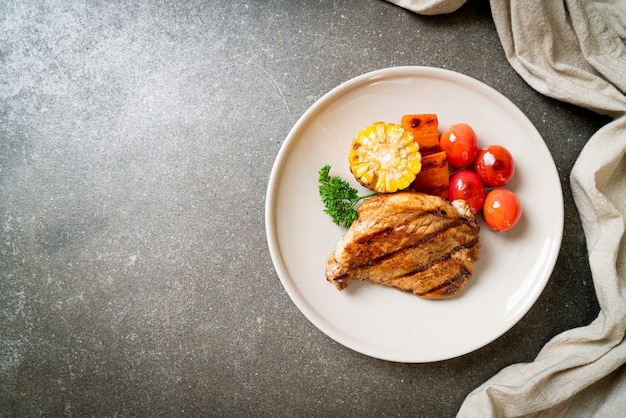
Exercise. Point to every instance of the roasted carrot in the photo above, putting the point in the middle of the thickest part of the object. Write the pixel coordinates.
(434, 177)
(424, 128)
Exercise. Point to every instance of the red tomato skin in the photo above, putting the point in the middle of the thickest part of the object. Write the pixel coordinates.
(502, 210)
(466, 185)
(460, 143)
(495, 166)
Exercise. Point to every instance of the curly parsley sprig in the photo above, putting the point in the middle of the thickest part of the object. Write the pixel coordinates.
(339, 198)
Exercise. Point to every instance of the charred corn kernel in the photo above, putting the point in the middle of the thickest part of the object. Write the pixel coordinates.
(384, 157)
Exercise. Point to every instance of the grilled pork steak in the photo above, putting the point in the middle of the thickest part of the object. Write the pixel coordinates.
(414, 242)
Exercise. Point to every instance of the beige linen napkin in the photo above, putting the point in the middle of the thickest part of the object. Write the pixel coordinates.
(574, 51)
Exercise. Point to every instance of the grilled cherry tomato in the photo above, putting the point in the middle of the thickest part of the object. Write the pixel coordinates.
(466, 185)
(460, 143)
(495, 166)
(502, 209)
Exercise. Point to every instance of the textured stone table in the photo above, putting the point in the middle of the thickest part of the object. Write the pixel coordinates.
(136, 142)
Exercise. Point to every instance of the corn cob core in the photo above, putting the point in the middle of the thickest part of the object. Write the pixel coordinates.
(384, 157)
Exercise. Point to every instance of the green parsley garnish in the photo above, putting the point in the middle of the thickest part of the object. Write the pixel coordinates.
(339, 198)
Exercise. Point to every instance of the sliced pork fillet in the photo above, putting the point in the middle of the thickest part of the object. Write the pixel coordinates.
(414, 242)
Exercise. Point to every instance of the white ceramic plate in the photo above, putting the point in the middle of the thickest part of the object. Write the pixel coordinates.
(383, 322)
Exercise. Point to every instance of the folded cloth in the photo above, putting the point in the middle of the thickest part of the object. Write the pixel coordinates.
(574, 51)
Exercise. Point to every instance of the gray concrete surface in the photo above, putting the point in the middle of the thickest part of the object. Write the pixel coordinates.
(136, 141)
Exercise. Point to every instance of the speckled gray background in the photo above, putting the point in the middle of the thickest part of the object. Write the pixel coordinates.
(136, 142)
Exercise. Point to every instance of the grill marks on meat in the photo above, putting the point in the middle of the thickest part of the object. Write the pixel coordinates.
(415, 242)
